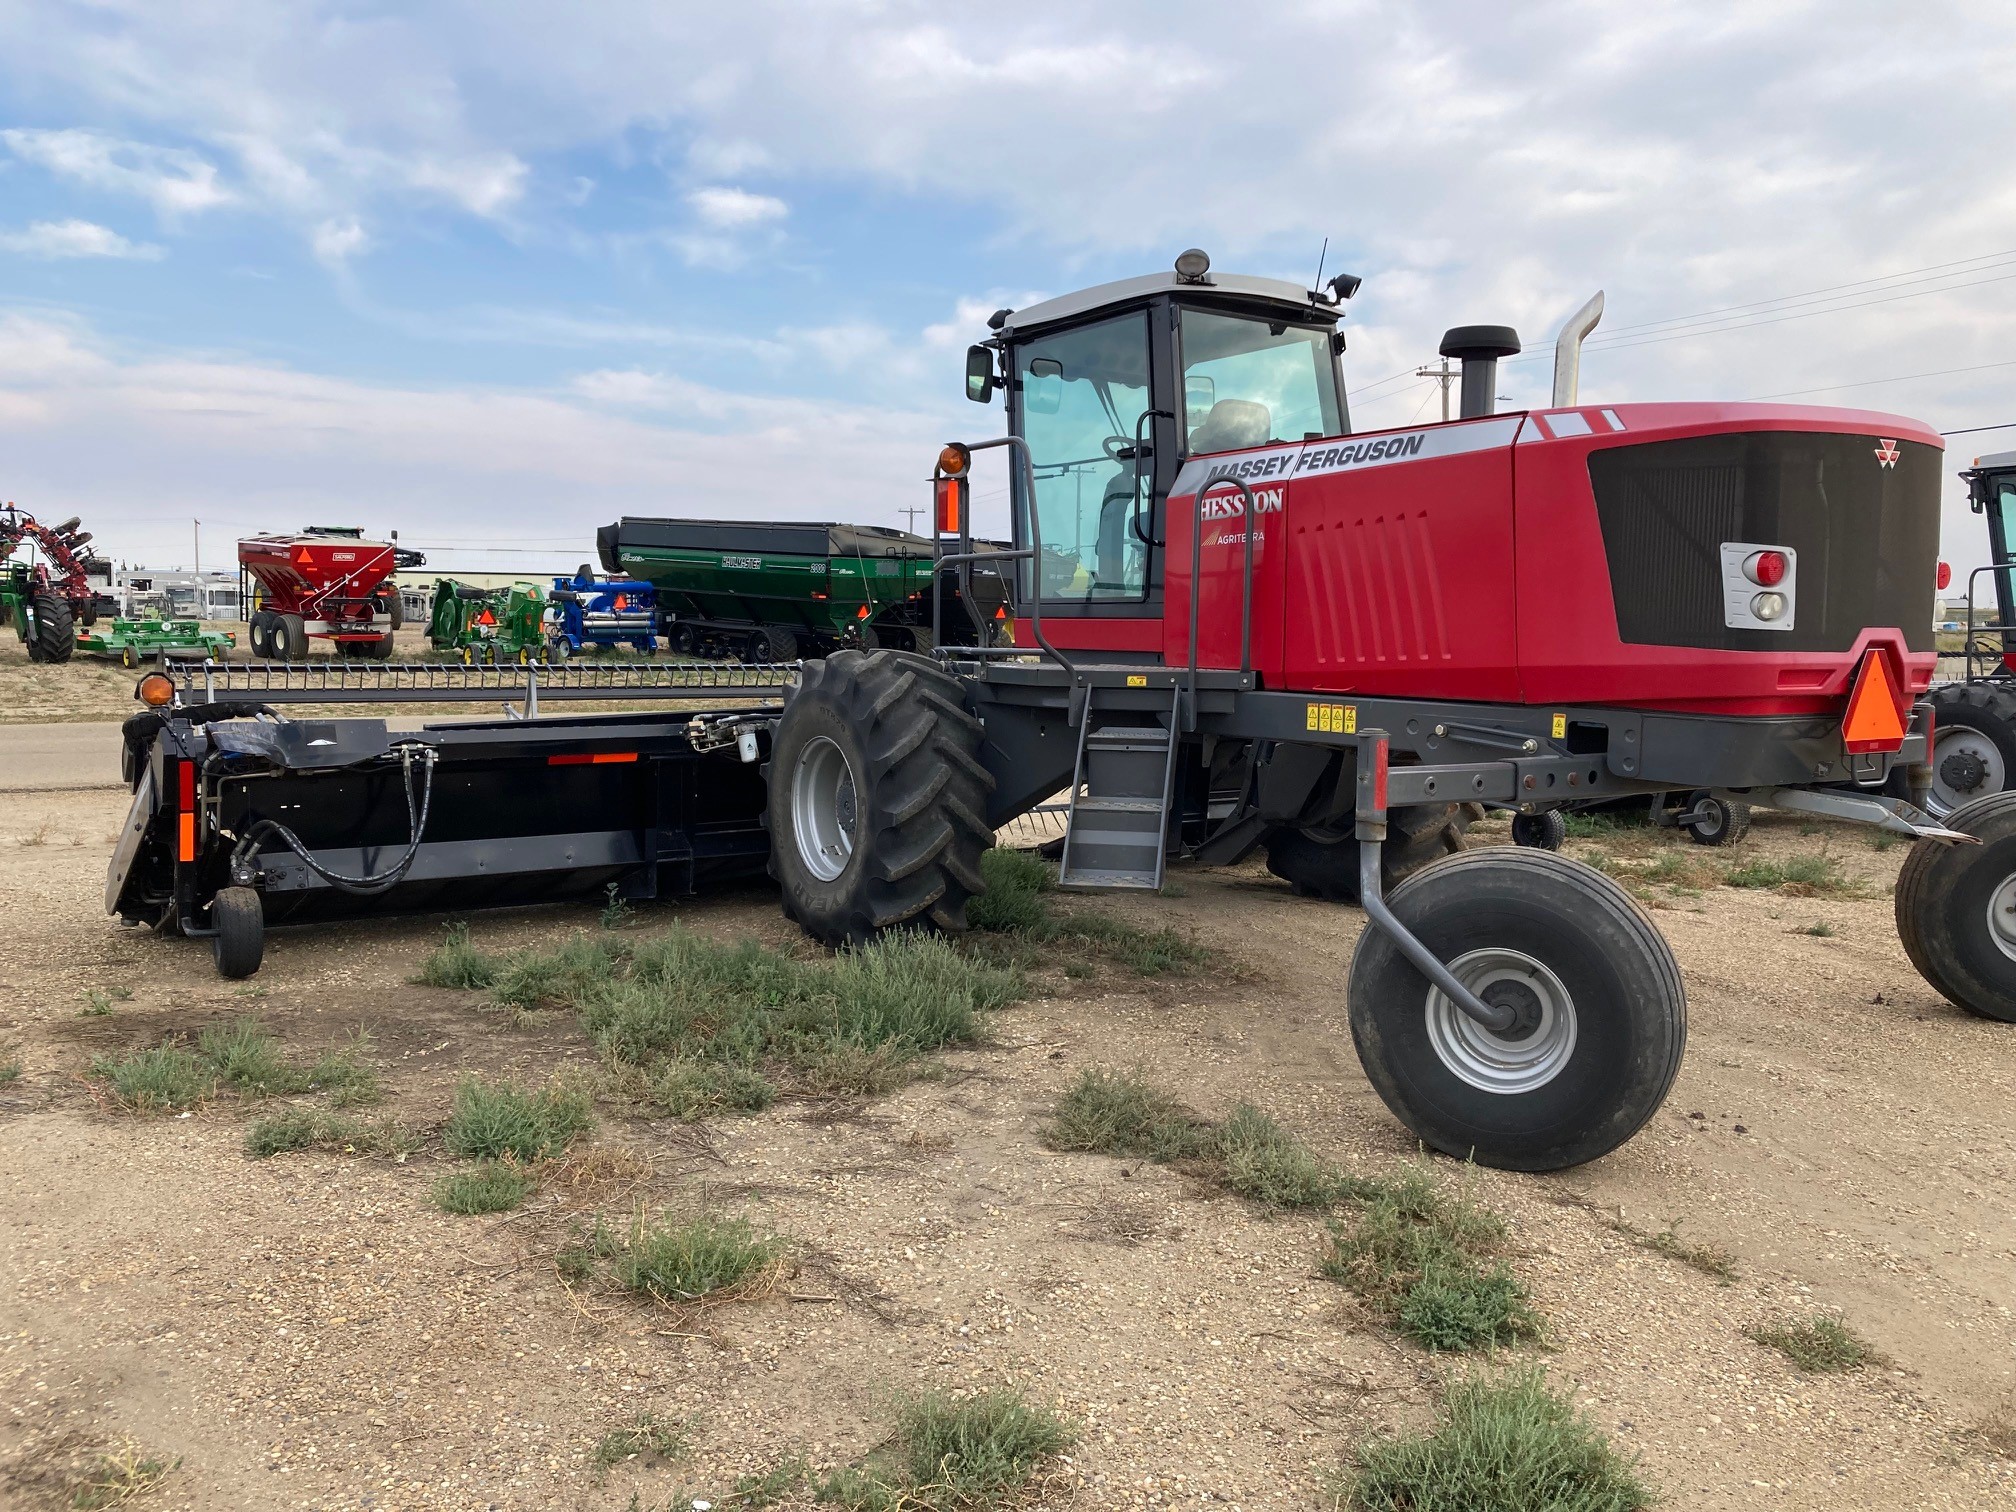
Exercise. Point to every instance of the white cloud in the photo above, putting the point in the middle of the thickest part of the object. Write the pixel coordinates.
(486, 184)
(337, 241)
(732, 209)
(74, 238)
(175, 182)
(87, 430)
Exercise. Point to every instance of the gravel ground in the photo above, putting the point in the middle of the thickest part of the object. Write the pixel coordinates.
(309, 1331)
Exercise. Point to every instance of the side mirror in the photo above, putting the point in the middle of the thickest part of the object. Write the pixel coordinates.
(979, 374)
(1199, 394)
(1043, 391)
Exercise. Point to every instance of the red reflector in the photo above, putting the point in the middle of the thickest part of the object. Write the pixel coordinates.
(185, 787)
(1379, 774)
(1875, 718)
(950, 499)
(598, 758)
(1943, 578)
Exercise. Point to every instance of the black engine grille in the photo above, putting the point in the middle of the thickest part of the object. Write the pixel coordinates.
(1867, 535)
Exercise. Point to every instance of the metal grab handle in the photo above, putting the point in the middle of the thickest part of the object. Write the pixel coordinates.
(1021, 448)
(1196, 571)
(1141, 448)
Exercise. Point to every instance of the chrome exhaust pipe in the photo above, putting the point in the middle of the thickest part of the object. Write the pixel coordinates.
(1568, 350)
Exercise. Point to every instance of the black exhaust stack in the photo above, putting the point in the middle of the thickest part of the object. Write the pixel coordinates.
(1478, 348)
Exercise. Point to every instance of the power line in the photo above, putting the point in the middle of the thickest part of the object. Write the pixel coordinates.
(1973, 429)
(1900, 378)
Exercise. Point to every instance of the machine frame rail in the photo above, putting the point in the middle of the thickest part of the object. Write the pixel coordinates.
(346, 682)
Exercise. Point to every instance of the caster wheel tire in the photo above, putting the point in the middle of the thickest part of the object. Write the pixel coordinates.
(1602, 1014)
(1722, 822)
(1548, 831)
(240, 942)
(1956, 909)
(878, 801)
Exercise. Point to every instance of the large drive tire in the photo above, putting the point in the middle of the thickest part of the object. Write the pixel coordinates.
(290, 637)
(878, 800)
(1604, 1012)
(1721, 823)
(1414, 837)
(240, 942)
(1956, 909)
(1973, 743)
(55, 631)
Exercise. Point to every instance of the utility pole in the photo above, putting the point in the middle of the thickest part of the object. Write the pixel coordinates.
(196, 537)
(910, 513)
(1444, 375)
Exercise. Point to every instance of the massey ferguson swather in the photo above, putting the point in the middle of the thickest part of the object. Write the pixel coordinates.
(1241, 626)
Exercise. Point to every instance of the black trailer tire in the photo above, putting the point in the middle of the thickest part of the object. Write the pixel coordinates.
(240, 942)
(1724, 822)
(683, 641)
(290, 638)
(780, 645)
(1956, 909)
(1973, 743)
(878, 801)
(55, 630)
(1545, 831)
(1606, 1011)
(259, 633)
(1414, 837)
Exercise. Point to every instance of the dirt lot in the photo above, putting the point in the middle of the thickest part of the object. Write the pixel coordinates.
(311, 1331)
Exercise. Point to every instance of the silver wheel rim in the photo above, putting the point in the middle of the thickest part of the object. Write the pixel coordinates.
(1528, 1055)
(1960, 740)
(822, 808)
(2002, 917)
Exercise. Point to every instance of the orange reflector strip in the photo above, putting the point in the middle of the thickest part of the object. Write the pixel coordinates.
(599, 758)
(1875, 719)
(186, 849)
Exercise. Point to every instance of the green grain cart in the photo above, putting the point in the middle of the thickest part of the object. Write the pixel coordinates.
(775, 591)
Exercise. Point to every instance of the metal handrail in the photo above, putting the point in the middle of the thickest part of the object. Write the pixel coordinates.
(2002, 631)
(1035, 548)
(1196, 572)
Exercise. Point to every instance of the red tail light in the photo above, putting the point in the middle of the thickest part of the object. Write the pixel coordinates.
(1765, 568)
(1943, 579)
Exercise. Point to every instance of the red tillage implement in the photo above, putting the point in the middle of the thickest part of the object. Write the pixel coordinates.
(325, 582)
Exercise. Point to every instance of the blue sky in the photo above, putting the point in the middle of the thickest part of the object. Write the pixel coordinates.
(493, 274)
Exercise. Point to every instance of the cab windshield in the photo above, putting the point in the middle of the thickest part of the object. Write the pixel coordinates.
(1252, 382)
(1084, 393)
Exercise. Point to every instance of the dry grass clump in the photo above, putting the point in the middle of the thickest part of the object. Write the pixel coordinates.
(717, 1028)
(1507, 1445)
(679, 1261)
(1818, 1345)
(1014, 905)
(1119, 1113)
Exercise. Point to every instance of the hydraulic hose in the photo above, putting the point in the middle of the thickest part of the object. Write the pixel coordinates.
(417, 805)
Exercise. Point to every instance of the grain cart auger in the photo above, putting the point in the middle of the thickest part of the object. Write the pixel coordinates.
(1243, 626)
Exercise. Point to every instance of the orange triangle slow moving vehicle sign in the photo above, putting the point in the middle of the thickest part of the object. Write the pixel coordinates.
(1875, 719)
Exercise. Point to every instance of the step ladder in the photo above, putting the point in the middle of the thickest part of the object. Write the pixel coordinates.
(1114, 832)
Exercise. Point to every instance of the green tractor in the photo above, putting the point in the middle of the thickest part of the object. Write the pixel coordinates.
(488, 624)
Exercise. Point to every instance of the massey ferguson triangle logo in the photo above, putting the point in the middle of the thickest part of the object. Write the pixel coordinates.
(1887, 453)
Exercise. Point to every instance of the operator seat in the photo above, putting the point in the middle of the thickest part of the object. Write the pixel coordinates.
(1233, 425)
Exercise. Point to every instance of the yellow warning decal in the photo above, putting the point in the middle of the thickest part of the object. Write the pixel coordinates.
(1560, 726)
(1333, 719)
(1136, 680)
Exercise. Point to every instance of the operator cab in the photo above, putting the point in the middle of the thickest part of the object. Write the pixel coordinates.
(1114, 387)
(1991, 491)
